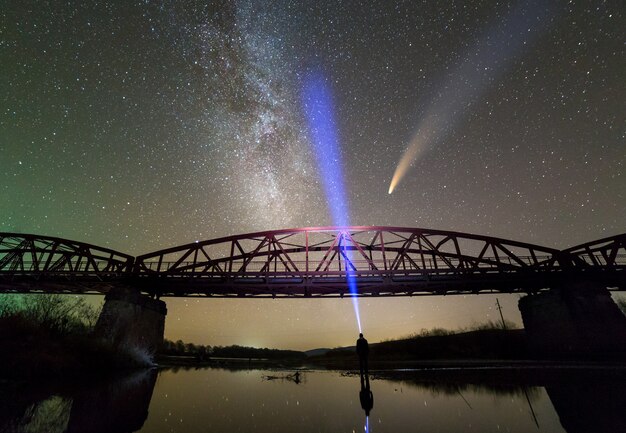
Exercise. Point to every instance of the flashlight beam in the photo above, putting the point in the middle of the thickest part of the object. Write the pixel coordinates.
(318, 106)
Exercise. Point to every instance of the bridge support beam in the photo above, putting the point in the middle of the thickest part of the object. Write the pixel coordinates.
(577, 322)
(132, 321)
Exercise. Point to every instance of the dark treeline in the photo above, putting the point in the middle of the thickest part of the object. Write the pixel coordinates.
(477, 344)
(49, 335)
(180, 348)
(55, 315)
(489, 340)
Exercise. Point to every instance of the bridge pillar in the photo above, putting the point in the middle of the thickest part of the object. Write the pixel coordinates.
(132, 321)
(577, 322)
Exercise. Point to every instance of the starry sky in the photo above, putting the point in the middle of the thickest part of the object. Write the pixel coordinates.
(140, 125)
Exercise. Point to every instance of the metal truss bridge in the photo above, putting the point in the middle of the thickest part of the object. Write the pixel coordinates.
(312, 262)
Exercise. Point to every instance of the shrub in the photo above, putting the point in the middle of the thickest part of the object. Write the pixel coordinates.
(58, 314)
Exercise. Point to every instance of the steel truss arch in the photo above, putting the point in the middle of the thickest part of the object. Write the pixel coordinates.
(602, 261)
(608, 252)
(312, 262)
(316, 261)
(29, 262)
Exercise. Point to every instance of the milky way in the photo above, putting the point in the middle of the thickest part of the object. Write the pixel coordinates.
(248, 118)
(140, 125)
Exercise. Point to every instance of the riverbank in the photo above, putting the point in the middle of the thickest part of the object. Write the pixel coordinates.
(390, 368)
(32, 352)
(168, 361)
(498, 372)
(435, 349)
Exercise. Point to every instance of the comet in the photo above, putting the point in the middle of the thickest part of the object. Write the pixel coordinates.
(492, 54)
(418, 145)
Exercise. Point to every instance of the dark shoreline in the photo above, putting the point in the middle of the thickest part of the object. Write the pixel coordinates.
(537, 373)
(243, 363)
(517, 374)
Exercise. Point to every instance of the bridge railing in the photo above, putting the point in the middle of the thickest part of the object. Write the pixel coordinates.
(388, 266)
(600, 260)
(80, 265)
(72, 267)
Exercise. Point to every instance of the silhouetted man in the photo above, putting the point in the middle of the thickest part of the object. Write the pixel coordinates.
(363, 350)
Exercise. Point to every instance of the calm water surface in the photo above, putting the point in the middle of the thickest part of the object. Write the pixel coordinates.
(219, 400)
(222, 401)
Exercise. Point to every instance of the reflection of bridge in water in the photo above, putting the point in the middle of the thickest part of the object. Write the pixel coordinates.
(312, 262)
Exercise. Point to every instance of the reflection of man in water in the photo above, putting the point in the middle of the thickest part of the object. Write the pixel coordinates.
(363, 350)
(367, 400)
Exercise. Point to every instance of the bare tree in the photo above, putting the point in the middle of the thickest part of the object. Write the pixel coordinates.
(9, 305)
(61, 314)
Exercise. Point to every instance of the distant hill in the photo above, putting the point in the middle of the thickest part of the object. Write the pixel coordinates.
(316, 352)
(324, 351)
(478, 344)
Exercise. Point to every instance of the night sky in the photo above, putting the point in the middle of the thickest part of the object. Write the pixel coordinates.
(144, 125)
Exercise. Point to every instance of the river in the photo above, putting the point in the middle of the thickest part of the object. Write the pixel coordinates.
(256, 400)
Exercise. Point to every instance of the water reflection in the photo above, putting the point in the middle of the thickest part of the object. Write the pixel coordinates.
(50, 414)
(119, 405)
(584, 399)
(366, 396)
(220, 400)
(595, 407)
(296, 377)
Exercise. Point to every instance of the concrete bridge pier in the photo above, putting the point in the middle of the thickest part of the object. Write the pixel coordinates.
(132, 321)
(580, 321)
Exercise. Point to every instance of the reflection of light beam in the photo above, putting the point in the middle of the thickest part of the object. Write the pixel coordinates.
(367, 424)
(318, 106)
(490, 56)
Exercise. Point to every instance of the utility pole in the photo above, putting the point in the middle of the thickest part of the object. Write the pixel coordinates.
(501, 316)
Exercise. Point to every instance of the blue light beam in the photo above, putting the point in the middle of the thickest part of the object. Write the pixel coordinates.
(319, 110)
(318, 105)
